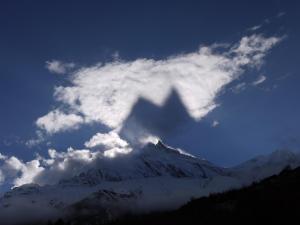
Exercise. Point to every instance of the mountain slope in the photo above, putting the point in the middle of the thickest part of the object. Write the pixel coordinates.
(152, 161)
(156, 177)
(274, 200)
(264, 166)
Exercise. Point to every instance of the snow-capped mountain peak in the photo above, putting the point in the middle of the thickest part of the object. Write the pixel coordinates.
(154, 177)
(153, 160)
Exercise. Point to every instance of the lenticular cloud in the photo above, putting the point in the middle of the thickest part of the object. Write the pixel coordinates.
(106, 93)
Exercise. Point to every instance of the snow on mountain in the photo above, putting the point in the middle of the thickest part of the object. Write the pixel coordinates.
(151, 161)
(156, 177)
(265, 165)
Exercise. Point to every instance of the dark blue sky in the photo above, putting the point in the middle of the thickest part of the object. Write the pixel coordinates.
(255, 121)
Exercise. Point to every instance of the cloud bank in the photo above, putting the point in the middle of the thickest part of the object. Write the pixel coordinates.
(61, 165)
(16, 172)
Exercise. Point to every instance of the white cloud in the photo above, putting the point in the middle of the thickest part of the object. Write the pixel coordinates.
(111, 153)
(266, 22)
(59, 67)
(61, 165)
(215, 123)
(40, 137)
(2, 177)
(239, 87)
(108, 140)
(84, 155)
(2, 157)
(106, 93)
(56, 121)
(29, 171)
(259, 80)
(254, 28)
(15, 172)
(111, 142)
(252, 49)
(12, 165)
(18, 173)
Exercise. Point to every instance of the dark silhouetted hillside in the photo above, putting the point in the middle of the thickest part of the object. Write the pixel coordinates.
(275, 200)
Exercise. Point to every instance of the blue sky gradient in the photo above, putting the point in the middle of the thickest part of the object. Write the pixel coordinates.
(256, 120)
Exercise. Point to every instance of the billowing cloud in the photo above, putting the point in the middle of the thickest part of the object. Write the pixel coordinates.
(106, 93)
(59, 67)
(57, 120)
(29, 171)
(66, 164)
(109, 140)
(16, 172)
(259, 80)
(61, 165)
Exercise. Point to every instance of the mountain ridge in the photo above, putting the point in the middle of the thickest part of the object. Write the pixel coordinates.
(274, 200)
(157, 177)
